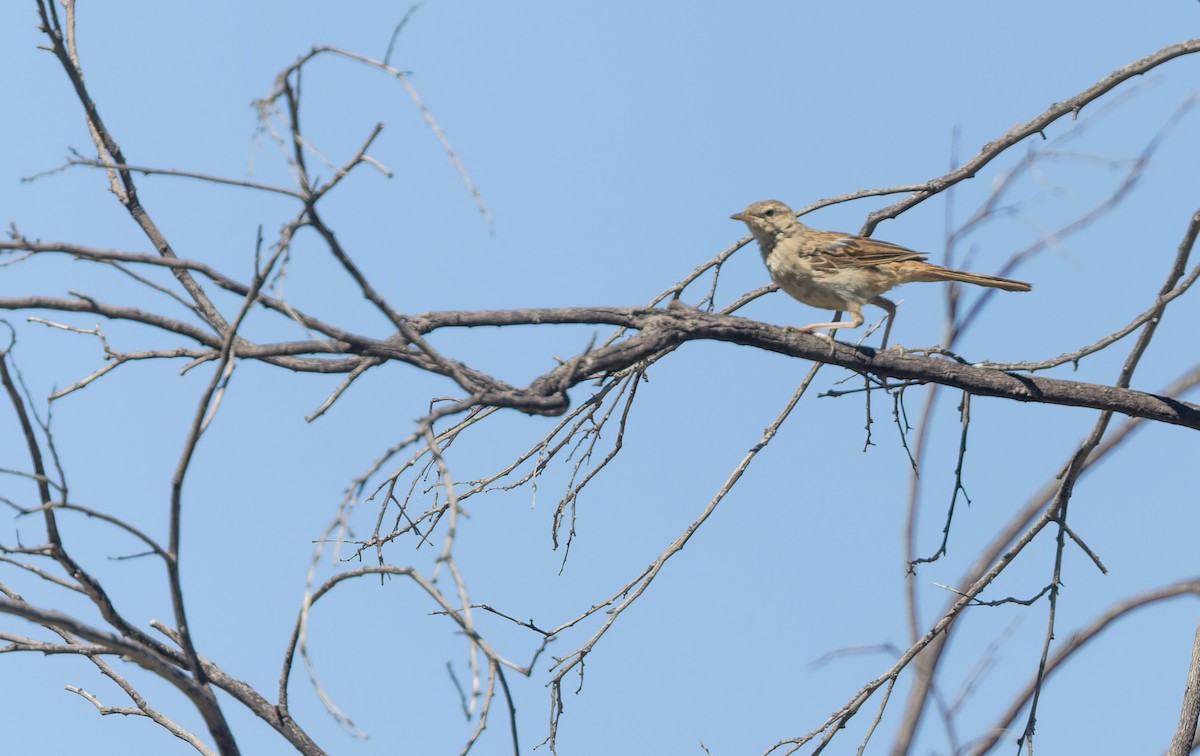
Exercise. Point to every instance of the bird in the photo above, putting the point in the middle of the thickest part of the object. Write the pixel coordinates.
(838, 271)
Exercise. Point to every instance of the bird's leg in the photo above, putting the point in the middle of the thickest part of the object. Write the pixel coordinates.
(890, 307)
(856, 319)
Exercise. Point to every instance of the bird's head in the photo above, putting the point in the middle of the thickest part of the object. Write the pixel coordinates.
(768, 220)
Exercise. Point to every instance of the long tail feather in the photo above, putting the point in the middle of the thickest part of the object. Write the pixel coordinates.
(936, 273)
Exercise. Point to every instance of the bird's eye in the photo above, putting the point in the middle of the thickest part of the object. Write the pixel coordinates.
(769, 212)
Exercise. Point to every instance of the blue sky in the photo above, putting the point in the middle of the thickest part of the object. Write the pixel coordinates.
(611, 142)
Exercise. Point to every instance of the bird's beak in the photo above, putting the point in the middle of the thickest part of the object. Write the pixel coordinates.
(739, 216)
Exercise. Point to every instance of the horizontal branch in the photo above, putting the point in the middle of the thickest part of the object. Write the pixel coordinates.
(665, 329)
(148, 171)
(658, 331)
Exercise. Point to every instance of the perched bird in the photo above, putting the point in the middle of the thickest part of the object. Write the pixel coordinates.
(837, 271)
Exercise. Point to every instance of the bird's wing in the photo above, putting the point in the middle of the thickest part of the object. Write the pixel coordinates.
(862, 251)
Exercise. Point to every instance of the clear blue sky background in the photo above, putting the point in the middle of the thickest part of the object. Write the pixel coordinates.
(611, 141)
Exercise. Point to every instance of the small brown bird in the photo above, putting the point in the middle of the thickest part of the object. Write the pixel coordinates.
(837, 271)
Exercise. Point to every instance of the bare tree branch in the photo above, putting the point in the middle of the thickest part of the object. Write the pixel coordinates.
(1185, 734)
(593, 389)
(1037, 125)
